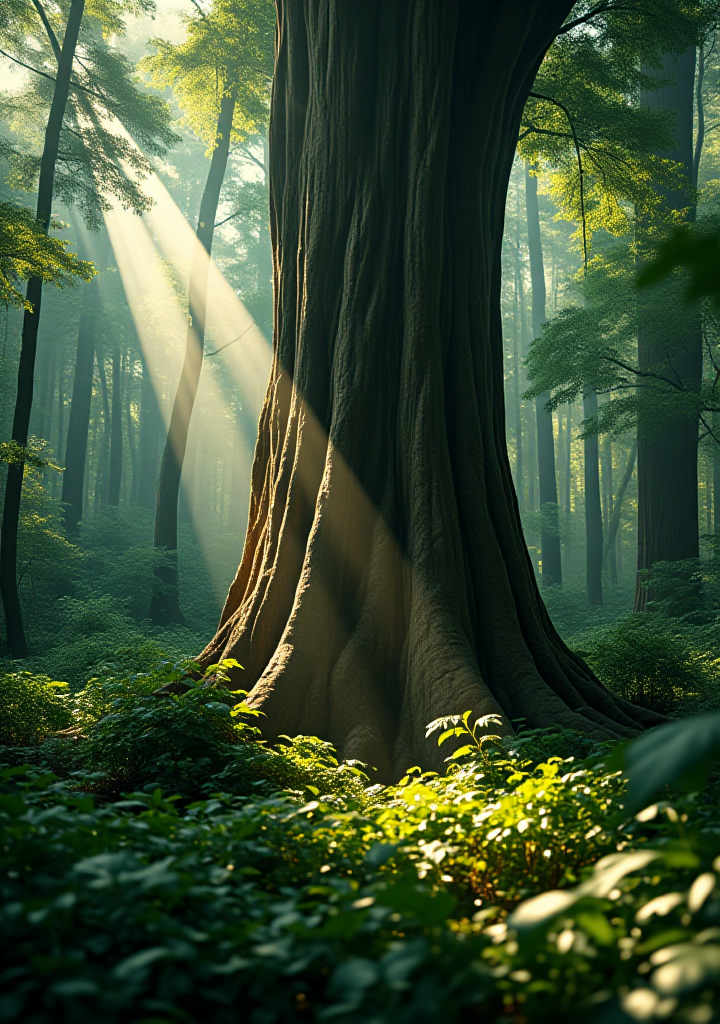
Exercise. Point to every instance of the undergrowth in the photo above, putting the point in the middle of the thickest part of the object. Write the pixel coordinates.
(162, 863)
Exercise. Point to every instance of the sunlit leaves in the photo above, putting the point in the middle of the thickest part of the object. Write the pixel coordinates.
(229, 49)
(111, 127)
(26, 251)
(310, 894)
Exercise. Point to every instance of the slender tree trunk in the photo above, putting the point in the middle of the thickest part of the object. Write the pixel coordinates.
(593, 508)
(385, 580)
(116, 445)
(716, 483)
(527, 496)
(670, 344)
(31, 320)
(610, 547)
(42, 408)
(616, 517)
(151, 429)
(165, 603)
(103, 468)
(549, 520)
(568, 460)
(79, 423)
(517, 411)
(131, 490)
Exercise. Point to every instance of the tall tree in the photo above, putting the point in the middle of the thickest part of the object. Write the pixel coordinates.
(31, 320)
(88, 98)
(79, 421)
(385, 580)
(116, 436)
(593, 508)
(222, 72)
(669, 347)
(549, 519)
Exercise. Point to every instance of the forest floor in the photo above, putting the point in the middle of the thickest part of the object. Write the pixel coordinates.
(161, 863)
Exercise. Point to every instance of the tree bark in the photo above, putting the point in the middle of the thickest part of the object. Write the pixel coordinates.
(385, 580)
(79, 422)
(165, 602)
(549, 518)
(669, 344)
(31, 320)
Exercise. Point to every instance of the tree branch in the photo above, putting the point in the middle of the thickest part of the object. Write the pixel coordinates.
(678, 386)
(28, 67)
(51, 78)
(219, 223)
(48, 28)
(227, 344)
(566, 112)
(606, 8)
(250, 156)
(199, 9)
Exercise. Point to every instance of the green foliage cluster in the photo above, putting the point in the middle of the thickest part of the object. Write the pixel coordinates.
(26, 251)
(34, 706)
(228, 49)
(111, 127)
(273, 882)
(651, 662)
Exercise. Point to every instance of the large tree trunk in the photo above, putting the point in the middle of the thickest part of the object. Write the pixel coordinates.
(385, 580)
(549, 518)
(670, 345)
(31, 321)
(165, 602)
(79, 422)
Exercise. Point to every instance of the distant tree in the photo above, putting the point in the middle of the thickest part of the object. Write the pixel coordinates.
(670, 346)
(220, 75)
(608, 153)
(89, 90)
(549, 519)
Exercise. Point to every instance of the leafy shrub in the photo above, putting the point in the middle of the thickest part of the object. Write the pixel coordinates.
(47, 559)
(645, 660)
(509, 889)
(33, 706)
(100, 638)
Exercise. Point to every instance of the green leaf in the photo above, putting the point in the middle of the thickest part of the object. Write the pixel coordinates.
(684, 968)
(467, 750)
(449, 733)
(679, 754)
(140, 961)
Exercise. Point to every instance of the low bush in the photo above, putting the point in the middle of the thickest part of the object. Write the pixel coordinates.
(33, 706)
(652, 662)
